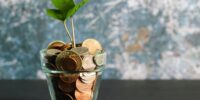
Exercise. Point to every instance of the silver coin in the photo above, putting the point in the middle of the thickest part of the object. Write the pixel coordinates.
(52, 52)
(100, 58)
(88, 63)
(88, 77)
(80, 50)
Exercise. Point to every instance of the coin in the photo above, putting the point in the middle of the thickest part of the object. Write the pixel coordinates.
(88, 81)
(100, 58)
(69, 60)
(52, 52)
(56, 45)
(78, 60)
(83, 96)
(82, 87)
(67, 64)
(99, 73)
(92, 44)
(68, 97)
(69, 78)
(67, 46)
(50, 66)
(66, 87)
(50, 56)
(87, 62)
(80, 50)
(88, 77)
(78, 44)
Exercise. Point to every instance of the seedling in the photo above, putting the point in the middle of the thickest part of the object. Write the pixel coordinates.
(64, 11)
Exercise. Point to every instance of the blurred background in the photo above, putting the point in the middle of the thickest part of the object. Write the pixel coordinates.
(144, 39)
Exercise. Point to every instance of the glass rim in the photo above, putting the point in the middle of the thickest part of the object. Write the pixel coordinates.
(57, 71)
(53, 71)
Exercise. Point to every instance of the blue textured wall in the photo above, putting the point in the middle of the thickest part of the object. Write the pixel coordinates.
(144, 39)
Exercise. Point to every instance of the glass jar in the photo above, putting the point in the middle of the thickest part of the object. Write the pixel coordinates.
(71, 85)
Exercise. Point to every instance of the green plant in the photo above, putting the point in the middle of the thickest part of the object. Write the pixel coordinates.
(64, 10)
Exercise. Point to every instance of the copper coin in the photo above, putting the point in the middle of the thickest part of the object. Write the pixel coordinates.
(87, 62)
(67, 64)
(82, 87)
(80, 50)
(66, 87)
(50, 56)
(92, 44)
(67, 46)
(68, 60)
(83, 96)
(78, 60)
(50, 66)
(69, 78)
(56, 45)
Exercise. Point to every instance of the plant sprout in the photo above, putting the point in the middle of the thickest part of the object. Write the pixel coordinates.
(64, 11)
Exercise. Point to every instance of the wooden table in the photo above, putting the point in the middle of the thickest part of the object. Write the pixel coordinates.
(109, 90)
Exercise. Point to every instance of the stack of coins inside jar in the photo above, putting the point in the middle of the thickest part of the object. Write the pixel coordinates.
(80, 63)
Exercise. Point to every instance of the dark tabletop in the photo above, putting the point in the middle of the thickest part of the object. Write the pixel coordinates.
(109, 90)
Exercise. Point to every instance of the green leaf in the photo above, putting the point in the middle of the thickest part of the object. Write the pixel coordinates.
(63, 5)
(57, 14)
(72, 11)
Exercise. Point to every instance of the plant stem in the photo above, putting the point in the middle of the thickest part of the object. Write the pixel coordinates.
(73, 33)
(67, 31)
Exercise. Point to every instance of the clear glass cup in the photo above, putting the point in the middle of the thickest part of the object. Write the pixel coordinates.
(63, 84)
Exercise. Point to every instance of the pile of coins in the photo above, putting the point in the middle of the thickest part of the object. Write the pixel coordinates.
(81, 61)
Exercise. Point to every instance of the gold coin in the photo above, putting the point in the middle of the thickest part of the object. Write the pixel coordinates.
(92, 44)
(66, 87)
(87, 62)
(56, 45)
(69, 78)
(80, 50)
(68, 60)
(82, 87)
(83, 96)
